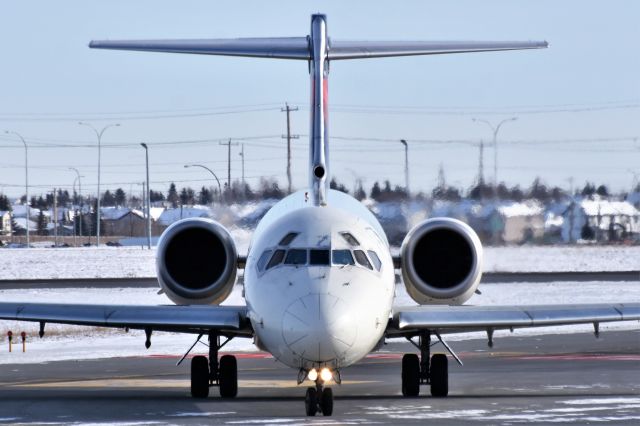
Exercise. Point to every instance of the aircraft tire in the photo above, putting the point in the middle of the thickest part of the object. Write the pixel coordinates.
(199, 377)
(326, 402)
(410, 375)
(311, 402)
(228, 379)
(439, 375)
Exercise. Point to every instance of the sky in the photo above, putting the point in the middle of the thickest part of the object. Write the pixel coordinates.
(577, 103)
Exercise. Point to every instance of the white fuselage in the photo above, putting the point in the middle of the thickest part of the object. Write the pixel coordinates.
(314, 300)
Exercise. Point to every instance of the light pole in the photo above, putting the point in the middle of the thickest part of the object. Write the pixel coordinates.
(146, 155)
(80, 195)
(186, 166)
(406, 165)
(99, 135)
(26, 179)
(495, 130)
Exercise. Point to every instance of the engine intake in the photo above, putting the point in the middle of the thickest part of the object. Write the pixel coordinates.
(441, 262)
(196, 262)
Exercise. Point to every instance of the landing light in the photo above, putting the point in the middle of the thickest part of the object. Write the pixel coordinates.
(325, 375)
(313, 374)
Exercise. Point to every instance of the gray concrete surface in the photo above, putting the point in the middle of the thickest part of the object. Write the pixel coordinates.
(543, 379)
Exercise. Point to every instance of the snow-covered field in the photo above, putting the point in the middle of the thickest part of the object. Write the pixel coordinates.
(132, 262)
(71, 342)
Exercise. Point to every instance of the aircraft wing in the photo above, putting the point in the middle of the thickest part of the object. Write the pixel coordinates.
(409, 321)
(228, 320)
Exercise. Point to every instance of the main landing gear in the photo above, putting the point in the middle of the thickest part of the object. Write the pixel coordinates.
(209, 372)
(431, 370)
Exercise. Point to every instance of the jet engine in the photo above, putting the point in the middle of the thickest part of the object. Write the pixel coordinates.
(196, 262)
(441, 262)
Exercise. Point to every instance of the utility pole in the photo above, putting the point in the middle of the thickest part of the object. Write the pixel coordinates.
(80, 196)
(229, 144)
(26, 181)
(99, 136)
(495, 130)
(289, 136)
(147, 195)
(481, 165)
(55, 217)
(243, 184)
(406, 166)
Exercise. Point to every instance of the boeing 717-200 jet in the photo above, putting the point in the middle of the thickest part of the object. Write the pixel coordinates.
(319, 276)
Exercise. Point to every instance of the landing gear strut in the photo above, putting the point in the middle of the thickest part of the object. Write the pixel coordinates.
(319, 399)
(427, 369)
(211, 372)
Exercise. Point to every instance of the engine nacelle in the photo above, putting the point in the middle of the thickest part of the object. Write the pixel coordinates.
(196, 262)
(441, 262)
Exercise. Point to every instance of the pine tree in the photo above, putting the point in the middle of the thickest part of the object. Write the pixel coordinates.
(120, 197)
(5, 205)
(42, 224)
(172, 195)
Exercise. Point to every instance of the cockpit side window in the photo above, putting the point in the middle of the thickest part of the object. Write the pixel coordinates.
(296, 257)
(319, 257)
(276, 259)
(361, 258)
(263, 259)
(342, 257)
(375, 259)
(350, 239)
(288, 239)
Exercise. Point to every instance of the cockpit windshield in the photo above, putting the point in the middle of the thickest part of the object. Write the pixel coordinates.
(319, 257)
(342, 257)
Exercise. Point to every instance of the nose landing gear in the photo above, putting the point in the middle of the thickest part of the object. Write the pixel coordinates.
(319, 399)
(211, 372)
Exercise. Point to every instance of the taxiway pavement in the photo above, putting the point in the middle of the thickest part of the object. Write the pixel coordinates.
(540, 379)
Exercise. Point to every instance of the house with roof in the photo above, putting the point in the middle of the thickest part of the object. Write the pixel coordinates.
(122, 222)
(170, 216)
(600, 220)
(510, 222)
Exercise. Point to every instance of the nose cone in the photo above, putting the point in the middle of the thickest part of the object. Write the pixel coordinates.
(319, 327)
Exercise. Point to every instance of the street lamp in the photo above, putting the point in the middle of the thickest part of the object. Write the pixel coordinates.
(99, 135)
(26, 179)
(406, 165)
(495, 130)
(80, 195)
(146, 155)
(186, 166)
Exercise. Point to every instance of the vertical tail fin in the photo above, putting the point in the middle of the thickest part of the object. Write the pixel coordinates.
(318, 49)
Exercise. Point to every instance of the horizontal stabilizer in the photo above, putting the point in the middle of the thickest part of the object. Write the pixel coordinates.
(299, 48)
(380, 49)
(280, 48)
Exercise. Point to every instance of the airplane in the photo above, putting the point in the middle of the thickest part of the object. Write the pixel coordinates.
(319, 277)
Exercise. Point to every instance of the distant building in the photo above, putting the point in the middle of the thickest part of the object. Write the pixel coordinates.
(513, 222)
(170, 216)
(5, 222)
(122, 222)
(600, 220)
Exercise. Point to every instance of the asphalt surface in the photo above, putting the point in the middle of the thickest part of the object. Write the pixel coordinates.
(543, 379)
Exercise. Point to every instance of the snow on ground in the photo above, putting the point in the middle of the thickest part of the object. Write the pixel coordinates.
(73, 342)
(562, 258)
(136, 262)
